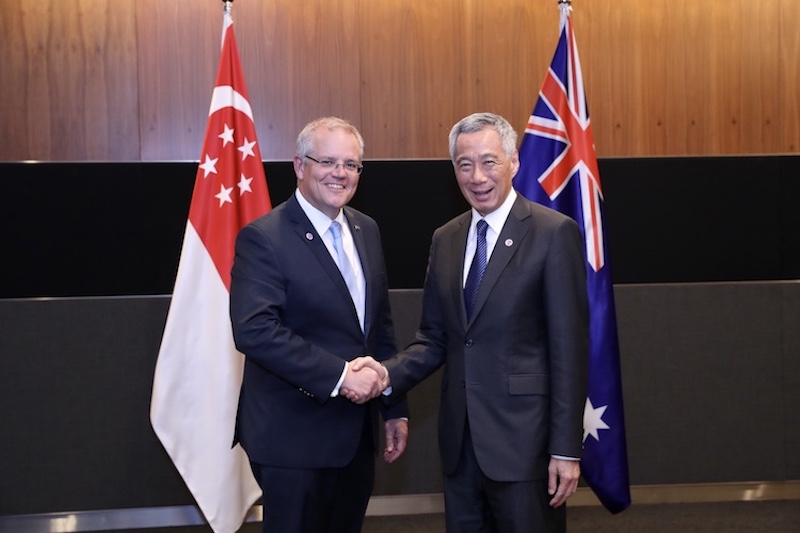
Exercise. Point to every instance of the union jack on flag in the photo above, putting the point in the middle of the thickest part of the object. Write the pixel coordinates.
(558, 168)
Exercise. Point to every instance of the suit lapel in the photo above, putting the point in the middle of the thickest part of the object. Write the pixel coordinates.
(508, 242)
(361, 247)
(457, 250)
(305, 230)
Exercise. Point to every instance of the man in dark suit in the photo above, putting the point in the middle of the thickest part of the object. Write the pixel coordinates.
(308, 294)
(514, 381)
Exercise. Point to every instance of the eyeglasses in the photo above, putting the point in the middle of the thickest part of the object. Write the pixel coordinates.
(328, 164)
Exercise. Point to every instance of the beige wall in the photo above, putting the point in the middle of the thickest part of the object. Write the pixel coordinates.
(131, 79)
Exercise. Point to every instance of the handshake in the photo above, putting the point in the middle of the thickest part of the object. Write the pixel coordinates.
(365, 379)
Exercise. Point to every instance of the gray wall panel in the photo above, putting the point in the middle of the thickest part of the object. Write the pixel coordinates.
(418, 470)
(790, 383)
(75, 382)
(703, 371)
(711, 380)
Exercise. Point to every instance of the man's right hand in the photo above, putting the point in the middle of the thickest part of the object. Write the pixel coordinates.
(363, 382)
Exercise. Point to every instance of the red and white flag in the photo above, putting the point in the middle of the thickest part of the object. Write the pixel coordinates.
(199, 371)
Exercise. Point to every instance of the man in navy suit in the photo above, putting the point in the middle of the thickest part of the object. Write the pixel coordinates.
(308, 294)
(514, 381)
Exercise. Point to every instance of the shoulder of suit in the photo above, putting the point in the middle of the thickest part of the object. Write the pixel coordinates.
(540, 211)
(454, 224)
(354, 216)
(275, 217)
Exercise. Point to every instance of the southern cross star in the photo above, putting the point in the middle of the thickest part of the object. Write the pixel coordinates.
(593, 420)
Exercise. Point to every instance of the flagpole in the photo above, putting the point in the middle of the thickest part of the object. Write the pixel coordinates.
(565, 6)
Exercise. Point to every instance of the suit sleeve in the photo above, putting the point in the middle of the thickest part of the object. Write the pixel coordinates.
(567, 315)
(427, 352)
(386, 343)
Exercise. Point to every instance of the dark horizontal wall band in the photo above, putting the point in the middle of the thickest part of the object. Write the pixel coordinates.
(94, 229)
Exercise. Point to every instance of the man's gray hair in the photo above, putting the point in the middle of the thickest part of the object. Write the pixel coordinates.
(305, 140)
(479, 122)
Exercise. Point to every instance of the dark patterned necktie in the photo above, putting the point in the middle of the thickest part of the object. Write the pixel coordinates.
(476, 269)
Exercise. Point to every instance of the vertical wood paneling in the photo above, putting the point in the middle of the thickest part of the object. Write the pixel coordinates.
(613, 46)
(114, 80)
(742, 85)
(178, 48)
(680, 77)
(69, 80)
(302, 62)
(415, 76)
(510, 56)
(788, 78)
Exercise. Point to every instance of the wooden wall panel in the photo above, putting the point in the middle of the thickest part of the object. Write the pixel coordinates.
(511, 45)
(69, 80)
(415, 75)
(680, 77)
(789, 77)
(114, 80)
(178, 48)
(302, 61)
(742, 76)
(617, 42)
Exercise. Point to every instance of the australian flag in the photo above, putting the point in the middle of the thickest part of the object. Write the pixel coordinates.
(558, 168)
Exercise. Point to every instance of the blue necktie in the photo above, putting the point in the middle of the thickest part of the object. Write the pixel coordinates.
(345, 267)
(476, 269)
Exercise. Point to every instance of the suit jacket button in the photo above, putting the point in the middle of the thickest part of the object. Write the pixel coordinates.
(468, 343)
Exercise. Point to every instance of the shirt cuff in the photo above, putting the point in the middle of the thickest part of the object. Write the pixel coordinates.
(335, 391)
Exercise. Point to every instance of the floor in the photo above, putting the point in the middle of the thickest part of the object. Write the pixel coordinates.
(777, 516)
(741, 517)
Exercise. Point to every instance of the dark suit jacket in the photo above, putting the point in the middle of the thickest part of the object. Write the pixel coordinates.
(517, 369)
(296, 324)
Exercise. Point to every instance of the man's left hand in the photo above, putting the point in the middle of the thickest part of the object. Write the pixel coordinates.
(396, 439)
(562, 480)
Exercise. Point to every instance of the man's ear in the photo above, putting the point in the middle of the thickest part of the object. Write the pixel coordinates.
(298, 166)
(515, 163)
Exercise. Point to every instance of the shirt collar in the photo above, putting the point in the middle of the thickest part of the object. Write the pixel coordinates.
(319, 220)
(497, 218)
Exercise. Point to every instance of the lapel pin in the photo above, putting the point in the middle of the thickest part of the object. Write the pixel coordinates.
(309, 236)
(509, 242)
(357, 227)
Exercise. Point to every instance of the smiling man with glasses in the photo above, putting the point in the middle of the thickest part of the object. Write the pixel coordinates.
(308, 294)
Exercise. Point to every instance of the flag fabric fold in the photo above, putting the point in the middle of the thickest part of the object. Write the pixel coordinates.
(558, 168)
(198, 372)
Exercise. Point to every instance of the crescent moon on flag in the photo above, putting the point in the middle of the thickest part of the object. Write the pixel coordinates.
(226, 96)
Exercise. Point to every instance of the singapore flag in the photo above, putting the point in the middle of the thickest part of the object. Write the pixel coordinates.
(199, 371)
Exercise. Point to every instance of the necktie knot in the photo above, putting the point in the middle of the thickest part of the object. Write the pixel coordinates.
(482, 226)
(336, 231)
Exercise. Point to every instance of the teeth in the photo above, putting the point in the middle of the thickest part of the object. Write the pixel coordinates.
(335, 186)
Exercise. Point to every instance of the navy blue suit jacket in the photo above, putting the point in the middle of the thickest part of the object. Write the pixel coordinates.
(296, 324)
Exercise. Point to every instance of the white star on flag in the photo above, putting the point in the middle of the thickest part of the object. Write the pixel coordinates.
(209, 166)
(224, 195)
(244, 185)
(226, 136)
(247, 149)
(593, 420)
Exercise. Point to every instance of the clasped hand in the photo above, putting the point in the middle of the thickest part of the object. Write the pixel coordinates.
(365, 379)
